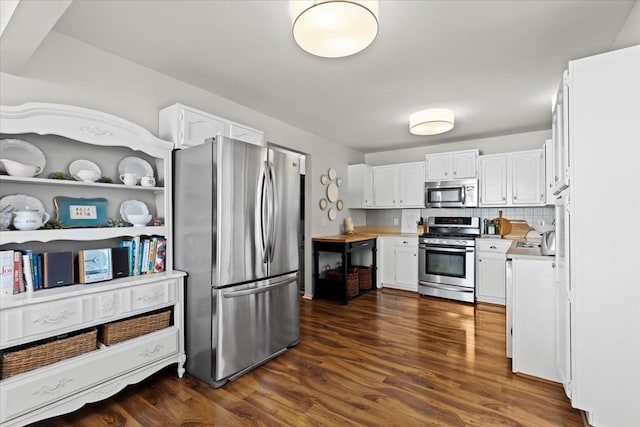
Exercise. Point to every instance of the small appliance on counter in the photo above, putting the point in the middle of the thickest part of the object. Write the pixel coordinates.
(548, 243)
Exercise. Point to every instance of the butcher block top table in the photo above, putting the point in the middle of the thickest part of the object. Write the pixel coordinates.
(343, 244)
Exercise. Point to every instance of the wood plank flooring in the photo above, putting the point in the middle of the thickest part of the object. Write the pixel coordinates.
(389, 358)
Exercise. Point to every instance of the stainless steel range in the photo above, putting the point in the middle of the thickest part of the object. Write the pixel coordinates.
(447, 258)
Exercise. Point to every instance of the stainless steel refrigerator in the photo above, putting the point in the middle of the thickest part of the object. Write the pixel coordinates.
(236, 212)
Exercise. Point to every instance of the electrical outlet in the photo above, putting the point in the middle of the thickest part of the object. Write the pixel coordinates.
(396, 221)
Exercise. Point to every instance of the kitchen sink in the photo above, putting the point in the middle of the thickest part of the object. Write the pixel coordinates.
(528, 245)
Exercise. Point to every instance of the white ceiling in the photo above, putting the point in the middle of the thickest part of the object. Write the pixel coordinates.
(496, 63)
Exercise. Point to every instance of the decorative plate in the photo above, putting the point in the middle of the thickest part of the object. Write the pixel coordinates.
(332, 174)
(332, 192)
(78, 165)
(134, 207)
(339, 205)
(332, 214)
(339, 182)
(20, 202)
(323, 203)
(324, 179)
(81, 212)
(23, 152)
(135, 165)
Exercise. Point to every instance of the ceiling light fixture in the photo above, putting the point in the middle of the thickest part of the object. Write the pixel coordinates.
(431, 122)
(334, 28)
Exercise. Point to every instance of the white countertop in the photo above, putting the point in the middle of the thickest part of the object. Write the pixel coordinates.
(515, 252)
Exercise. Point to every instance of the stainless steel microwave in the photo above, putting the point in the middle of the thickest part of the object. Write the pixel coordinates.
(451, 194)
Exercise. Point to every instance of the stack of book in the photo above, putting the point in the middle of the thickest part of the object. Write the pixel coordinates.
(146, 256)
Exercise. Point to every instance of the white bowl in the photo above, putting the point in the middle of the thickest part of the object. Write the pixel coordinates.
(14, 168)
(88, 175)
(138, 220)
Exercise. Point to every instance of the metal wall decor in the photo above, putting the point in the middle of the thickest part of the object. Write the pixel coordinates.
(333, 182)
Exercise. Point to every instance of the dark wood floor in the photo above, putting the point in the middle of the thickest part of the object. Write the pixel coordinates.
(389, 358)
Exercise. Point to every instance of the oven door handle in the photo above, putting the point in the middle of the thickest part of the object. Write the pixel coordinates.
(445, 287)
(443, 249)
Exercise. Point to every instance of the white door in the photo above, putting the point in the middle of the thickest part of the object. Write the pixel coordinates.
(437, 167)
(526, 178)
(411, 185)
(493, 180)
(368, 187)
(196, 127)
(385, 185)
(491, 278)
(407, 267)
(387, 268)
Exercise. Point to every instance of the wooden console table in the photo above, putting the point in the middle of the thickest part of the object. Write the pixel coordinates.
(344, 245)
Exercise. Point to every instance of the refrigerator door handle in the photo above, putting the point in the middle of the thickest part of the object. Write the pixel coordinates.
(274, 211)
(263, 206)
(252, 291)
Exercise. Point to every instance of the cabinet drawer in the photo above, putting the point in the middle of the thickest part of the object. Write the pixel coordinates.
(361, 245)
(27, 392)
(149, 296)
(44, 319)
(498, 246)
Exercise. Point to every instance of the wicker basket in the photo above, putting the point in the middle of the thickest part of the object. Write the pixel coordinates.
(115, 332)
(352, 279)
(364, 276)
(36, 356)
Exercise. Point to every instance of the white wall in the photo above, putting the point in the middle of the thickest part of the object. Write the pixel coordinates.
(498, 144)
(67, 71)
(629, 34)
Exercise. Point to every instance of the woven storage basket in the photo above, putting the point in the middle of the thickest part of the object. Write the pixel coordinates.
(115, 332)
(364, 276)
(36, 356)
(352, 279)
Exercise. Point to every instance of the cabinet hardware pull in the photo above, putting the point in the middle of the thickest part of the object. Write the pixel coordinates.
(492, 247)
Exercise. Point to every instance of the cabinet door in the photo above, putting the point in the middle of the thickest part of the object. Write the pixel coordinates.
(368, 187)
(411, 184)
(560, 136)
(464, 164)
(387, 267)
(491, 278)
(359, 186)
(493, 180)
(437, 167)
(246, 134)
(548, 173)
(526, 178)
(195, 127)
(385, 186)
(406, 266)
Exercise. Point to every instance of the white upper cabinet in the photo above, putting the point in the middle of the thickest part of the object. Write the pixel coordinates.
(450, 166)
(560, 138)
(493, 180)
(385, 183)
(187, 126)
(527, 178)
(411, 184)
(548, 172)
(360, 186)
(400, 185)
(512, 179)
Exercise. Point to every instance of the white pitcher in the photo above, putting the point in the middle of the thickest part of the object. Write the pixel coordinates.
(30, 219)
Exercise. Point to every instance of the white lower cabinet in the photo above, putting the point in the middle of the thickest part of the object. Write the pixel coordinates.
(399, 256)
(534, 325)
(67, 385)
(490, 280)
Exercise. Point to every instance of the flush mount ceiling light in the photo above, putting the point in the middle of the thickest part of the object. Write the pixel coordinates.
(431, 122)
(334, 28)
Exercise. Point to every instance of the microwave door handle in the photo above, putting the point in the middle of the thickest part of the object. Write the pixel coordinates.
(464, 195)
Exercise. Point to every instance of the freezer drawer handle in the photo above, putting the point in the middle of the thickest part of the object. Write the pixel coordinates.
(258, 290)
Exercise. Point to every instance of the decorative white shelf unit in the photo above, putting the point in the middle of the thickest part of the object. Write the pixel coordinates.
(65, 133)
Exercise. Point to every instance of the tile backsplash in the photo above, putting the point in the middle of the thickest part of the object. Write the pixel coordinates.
(533, 215)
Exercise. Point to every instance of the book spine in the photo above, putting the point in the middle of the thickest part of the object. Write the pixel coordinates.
(161, 250)
(152, 255)
(136, 255)
(129, 245)
(145, 257)
(21, 272)
(28, 272)
(40, 272)
(6, 273)
(16, 272)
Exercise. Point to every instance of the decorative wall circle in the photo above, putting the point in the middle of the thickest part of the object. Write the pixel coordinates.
(332, 214)
(324, 179)
(339, 182)
(332, 192)
(339, 205)
(323, 203)
(332, 174)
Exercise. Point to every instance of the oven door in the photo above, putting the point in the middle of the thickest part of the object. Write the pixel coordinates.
(448, 265)
(444, 197)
